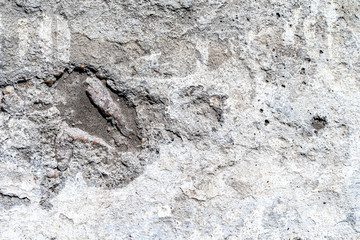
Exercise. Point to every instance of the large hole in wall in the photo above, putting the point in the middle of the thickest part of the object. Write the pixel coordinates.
(98, 135)
(79, 111)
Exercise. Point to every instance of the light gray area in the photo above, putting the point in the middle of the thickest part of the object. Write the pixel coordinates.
(179, 119)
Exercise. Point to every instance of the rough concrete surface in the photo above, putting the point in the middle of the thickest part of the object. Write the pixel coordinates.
(179, 119)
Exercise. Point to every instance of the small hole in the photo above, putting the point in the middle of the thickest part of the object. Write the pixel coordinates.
(267, 122)
(278, 15)
(321, 52)
(261, 110)
(318, 122)
(283, 85)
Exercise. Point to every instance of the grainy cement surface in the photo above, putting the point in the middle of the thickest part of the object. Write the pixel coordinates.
(179, 119)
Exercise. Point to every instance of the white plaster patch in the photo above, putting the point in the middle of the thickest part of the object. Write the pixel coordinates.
(63, 40)
(23, 34)
(45, 36)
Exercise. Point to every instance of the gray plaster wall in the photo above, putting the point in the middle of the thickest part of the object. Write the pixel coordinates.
(179, 119)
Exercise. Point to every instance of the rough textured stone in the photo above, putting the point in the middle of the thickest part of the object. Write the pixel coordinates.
(179, 119)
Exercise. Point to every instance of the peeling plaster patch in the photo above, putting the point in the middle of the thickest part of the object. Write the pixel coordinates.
(8, 200)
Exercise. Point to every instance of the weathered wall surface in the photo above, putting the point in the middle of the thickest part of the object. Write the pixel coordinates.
(179, 119)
